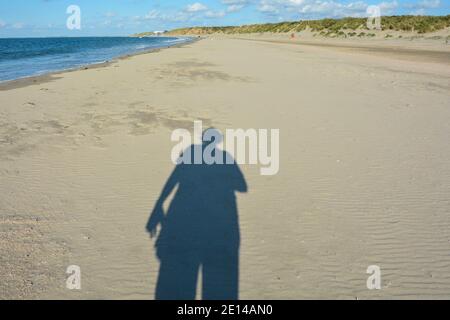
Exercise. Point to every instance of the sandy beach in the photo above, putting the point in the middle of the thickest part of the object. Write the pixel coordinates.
(364, 173)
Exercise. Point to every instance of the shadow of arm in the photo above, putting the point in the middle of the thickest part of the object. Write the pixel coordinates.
(157, 215)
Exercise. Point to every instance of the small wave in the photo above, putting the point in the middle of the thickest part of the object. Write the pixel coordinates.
(177, 40)
(142, 46)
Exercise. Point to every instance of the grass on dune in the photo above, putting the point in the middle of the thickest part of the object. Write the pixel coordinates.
(420, 24)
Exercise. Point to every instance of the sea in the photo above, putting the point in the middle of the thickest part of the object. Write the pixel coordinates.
(25, 57)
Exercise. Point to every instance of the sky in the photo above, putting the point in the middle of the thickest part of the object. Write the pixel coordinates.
(48, 18)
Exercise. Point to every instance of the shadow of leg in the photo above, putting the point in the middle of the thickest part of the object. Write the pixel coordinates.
(177, 278)
(220, 270)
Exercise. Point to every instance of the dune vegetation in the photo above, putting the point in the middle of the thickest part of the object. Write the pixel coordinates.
(419, 24)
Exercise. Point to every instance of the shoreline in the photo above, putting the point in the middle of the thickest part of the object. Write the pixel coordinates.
(400, 48)
(48, 76)
(436, 55)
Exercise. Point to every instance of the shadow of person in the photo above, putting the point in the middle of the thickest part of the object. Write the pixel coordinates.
(200, 231)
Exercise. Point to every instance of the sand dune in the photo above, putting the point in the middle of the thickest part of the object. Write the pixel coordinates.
(364, 171)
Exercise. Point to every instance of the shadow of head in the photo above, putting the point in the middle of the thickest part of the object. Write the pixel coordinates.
(213, 137)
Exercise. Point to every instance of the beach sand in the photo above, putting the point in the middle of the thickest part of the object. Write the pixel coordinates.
(364, 169)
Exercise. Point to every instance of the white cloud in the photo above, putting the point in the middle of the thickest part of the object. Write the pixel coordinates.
(321, 8)
(215, 14)
(387, 8)
(196, 7)
(428, 4)
(230, 2)
(268, 8)
(153, 14)
(333, 9)
(421, 7)
(424, 4)
(18, 25)
(234, 7)
(2, 23)
(418, 12)
(236, 2)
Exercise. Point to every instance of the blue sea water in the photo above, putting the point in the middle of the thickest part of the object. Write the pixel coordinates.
(35, 56)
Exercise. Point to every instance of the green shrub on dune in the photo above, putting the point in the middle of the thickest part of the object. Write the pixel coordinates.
(420, 24)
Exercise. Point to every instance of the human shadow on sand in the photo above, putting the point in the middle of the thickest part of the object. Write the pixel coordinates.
(200, 231)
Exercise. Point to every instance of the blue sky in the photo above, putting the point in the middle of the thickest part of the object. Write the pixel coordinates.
(39, 18)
